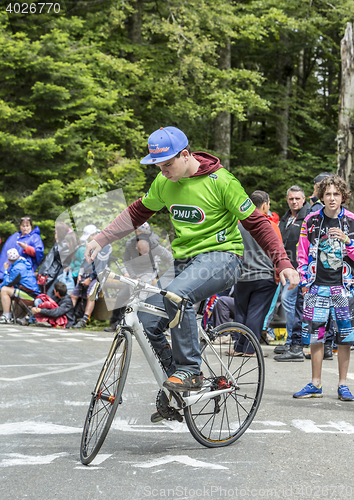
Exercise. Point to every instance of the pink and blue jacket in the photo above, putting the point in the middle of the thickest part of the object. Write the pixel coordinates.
(308, 247)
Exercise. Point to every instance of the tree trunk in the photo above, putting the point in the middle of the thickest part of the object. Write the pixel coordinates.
(134, 26)
(285, 75)
(222, 122)
(346, 116)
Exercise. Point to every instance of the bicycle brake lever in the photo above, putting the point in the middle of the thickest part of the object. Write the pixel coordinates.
(177, 320)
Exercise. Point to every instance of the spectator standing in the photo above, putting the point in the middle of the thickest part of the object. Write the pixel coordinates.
(290, 226)
(27, 242)
(294, 350)
(326, 267)
(256, 286)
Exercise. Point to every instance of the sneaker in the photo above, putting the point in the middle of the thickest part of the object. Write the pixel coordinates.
(43, 324)
(23, 321)
(344, 393)
(309, 391)
(80, 324)
(295, 353)
(222, 339)
(183, 380)
(4, 319)
(111, 328)
(280, 349)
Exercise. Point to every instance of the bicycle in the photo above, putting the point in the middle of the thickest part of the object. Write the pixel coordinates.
(216, 416)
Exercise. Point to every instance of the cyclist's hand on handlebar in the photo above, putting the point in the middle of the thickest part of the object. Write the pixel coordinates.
(291, 275)
(92, 250)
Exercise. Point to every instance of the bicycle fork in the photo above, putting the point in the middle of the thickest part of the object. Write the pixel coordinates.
(98, 394)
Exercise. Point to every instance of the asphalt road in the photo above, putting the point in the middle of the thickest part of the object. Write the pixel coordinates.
(294, 449)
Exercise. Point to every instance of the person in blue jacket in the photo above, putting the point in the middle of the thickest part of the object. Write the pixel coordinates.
(28, 243)
(21, 275)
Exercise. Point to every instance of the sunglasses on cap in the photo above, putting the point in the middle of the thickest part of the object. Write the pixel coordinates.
(25, 218)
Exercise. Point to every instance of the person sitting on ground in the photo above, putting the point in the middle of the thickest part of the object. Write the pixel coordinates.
(77, 252)
(27, 242)
(87, 277)
(326, 268)
(52, 312)
(19, 282)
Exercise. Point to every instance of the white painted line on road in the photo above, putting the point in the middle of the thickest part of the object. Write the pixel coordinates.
(266, 431)
(31, 341)
(44, 374)
(99, 459)
(274, 423)
(309, 426)
(38, 428)
(18, 459)
(40, 365)
(76, 403)
(63, 340)
(182, 459)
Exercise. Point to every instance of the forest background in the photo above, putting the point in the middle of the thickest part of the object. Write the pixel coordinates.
(256, 83)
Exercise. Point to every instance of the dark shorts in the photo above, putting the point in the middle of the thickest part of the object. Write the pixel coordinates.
(320, 303)
(83, 291)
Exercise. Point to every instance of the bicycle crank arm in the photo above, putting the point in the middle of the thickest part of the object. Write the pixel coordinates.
(196, 398)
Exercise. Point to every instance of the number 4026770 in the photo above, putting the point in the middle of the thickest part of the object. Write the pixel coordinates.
(33, 8)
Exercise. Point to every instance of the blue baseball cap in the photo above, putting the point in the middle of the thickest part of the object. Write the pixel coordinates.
(164, 144)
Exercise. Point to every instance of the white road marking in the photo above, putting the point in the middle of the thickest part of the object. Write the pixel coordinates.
(44, 374)
(309, 426)
(18, 459)
(40, 365)
(63, 340)
(38, 428)
(182, 459)
(100, 458)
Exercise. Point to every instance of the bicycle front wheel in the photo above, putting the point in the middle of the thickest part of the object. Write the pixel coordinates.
(106, 396)
(221, 420)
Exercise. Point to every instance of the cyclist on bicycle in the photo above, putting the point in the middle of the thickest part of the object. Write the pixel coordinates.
(205, 202)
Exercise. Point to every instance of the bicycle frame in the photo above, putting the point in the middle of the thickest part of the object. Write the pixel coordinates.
(131, 317)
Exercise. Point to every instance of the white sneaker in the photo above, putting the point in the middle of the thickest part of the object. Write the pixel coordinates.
(4, 319)
(222, 339)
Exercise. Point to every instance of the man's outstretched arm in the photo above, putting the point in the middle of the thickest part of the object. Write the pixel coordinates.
(131, 218)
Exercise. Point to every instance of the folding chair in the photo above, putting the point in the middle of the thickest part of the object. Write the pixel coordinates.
(22, 301)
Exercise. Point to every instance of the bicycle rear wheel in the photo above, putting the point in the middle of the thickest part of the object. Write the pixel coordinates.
(106, 396)
(221, 420)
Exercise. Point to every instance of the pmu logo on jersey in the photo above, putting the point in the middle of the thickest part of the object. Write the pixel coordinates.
(245, 206)
(187, 213)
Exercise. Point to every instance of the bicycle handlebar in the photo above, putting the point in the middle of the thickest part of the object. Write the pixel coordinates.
(137, 284)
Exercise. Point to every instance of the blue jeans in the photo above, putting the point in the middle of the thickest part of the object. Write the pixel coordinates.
(197, 278)
(32, 318)
(288, 300)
